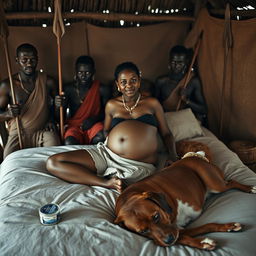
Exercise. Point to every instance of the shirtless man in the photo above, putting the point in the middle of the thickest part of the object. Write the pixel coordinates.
(169, 88)
(85, 98)
(34, 93)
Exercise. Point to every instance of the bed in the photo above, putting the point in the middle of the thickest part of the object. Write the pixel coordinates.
(86, 226)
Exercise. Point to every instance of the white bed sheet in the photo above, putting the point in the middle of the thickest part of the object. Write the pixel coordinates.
(87, 213)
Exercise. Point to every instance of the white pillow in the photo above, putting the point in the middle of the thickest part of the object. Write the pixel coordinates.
(183, 125)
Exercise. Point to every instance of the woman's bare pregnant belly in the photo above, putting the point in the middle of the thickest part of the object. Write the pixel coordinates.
(135, 140)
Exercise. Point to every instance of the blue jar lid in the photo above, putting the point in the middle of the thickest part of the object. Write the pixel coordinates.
(49, 208)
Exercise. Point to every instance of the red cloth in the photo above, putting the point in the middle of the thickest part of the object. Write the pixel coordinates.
(91, 106)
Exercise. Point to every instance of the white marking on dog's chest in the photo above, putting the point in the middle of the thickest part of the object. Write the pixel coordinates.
(185, 213)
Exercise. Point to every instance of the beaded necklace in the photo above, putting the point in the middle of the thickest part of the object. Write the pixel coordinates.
(130, 109)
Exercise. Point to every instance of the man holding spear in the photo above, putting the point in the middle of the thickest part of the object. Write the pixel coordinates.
(34, 92)
(181, 88)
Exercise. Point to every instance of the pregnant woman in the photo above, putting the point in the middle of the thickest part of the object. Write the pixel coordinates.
(129, 153)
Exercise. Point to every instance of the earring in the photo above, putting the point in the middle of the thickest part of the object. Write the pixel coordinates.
(75, 77)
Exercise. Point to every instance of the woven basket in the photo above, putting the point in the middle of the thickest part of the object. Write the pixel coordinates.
(246, 150)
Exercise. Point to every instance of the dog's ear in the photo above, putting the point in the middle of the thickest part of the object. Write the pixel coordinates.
(159, 199)
(119, 221)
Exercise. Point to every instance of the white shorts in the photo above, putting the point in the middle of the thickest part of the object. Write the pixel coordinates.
(108, 163)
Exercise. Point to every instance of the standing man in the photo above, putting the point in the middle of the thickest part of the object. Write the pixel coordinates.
(169, 89)
(85, 99)
(34, 93)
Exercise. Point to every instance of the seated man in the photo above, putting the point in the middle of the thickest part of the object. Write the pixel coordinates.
(169, 89)
(34, 93)
(85, 98)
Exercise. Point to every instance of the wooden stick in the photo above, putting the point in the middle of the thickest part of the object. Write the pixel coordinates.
(59, 30)
(87, 39)
(4, 33)
(12, 88)
(191, 66)
(60, 88)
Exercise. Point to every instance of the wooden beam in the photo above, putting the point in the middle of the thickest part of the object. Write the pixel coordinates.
(97, 16)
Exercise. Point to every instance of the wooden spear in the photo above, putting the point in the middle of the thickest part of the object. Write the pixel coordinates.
(59, 30)
(4, 33)
(191, 66)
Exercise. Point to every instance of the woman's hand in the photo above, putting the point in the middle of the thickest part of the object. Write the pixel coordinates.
(170, 161)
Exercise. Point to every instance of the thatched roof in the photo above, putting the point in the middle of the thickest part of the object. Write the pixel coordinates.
(116, 13)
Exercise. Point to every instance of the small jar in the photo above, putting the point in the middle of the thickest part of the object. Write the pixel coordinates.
(49, 214)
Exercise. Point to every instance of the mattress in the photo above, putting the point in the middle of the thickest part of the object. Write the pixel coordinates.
(87, 212)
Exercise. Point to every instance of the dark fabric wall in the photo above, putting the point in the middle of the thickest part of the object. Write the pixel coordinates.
(235, 97)
(146, 46)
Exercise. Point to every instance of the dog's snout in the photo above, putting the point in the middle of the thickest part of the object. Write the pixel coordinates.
(169, 239)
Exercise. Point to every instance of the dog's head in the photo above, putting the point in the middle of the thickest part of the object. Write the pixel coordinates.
(148, 214)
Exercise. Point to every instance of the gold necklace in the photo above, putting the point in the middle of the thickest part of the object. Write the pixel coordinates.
(130, 109)
(22, 86)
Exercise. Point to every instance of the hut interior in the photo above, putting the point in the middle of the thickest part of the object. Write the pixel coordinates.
(141, 31)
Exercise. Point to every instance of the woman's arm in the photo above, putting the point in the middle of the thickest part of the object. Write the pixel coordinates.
(164, 131)
(109, 109)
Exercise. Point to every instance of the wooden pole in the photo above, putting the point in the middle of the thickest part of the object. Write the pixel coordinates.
(12, 90)
(87, 39)
(60, 89)
(59, 30)
(191, 66)
(4, 32)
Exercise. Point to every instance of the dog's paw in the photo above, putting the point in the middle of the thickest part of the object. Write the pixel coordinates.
(208, 244)
(234, 227)
(253, 190)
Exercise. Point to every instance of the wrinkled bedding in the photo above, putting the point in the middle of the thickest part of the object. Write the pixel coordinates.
(87, 213)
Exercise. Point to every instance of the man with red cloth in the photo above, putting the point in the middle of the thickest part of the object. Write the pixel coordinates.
(85, 99)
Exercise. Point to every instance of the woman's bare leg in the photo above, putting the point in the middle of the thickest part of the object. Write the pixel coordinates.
(78, 167)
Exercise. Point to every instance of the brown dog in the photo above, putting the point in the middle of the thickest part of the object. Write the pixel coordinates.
(158, 206)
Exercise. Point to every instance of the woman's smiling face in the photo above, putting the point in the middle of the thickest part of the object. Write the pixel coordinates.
(128, 82)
